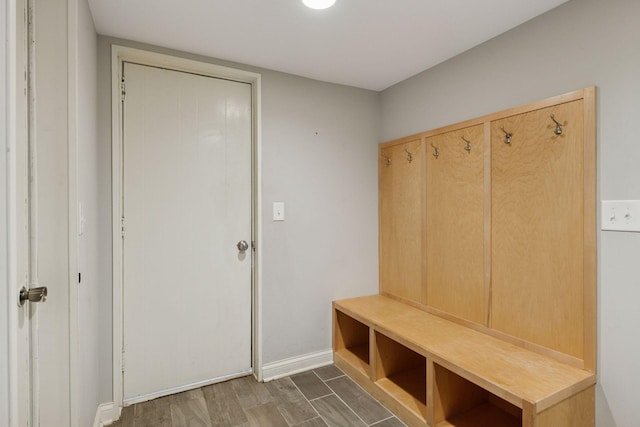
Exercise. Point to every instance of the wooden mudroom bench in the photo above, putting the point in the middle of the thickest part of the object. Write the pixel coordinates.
(486, 313)
(431, 371)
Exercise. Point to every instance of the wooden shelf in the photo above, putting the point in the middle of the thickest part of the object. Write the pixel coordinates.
(409, 388)
(480, 416)
(351, 342)
(402, 374)
(357, 356)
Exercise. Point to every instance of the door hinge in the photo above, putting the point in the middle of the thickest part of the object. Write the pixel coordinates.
(122, 360)
(123, 91)
(122, 226)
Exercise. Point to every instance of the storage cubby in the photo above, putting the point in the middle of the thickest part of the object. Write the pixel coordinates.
(461, 403)
(402, 373)
(352, 341)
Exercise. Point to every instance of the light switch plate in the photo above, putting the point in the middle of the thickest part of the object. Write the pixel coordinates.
(278, 211)
(621, 215)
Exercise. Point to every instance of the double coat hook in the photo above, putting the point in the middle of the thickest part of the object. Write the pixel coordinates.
(409, 155)
(507, 135)
(436, 151)
(558, 130)
(467, 147)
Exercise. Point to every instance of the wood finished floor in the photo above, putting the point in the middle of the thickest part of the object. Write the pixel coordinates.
(318, 398)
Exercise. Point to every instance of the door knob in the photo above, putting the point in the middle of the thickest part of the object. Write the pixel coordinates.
(33, 294)
(242, 245)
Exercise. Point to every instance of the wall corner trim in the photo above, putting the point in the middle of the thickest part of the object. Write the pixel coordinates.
(294, 365)
(105, 415)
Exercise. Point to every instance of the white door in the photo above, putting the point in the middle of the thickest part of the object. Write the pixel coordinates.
(42, 245)
(186, 206)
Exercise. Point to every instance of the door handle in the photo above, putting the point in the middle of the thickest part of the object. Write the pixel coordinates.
(242, 245)
(33, 295)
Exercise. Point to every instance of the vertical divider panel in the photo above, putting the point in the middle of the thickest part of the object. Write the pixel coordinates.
(590, 232)
(487, 223)
(424, 231)
(373, 358)
(431, 391)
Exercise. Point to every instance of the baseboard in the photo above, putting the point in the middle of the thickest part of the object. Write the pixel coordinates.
(286, 367)
(104, 415)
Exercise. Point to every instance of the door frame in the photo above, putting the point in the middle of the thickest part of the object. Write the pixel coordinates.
(120, 54)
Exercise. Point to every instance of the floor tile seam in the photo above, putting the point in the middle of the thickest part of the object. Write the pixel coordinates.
(381, 421)
(345, 404)
(313, 398)
(321, 397)
(333, 378)
(368, 394)
(305, 398)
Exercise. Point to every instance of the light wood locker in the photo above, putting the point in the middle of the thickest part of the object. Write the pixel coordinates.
(455, 223)
(402, 198)
(537, 224)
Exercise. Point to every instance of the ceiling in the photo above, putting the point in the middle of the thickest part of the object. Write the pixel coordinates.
(371, 44)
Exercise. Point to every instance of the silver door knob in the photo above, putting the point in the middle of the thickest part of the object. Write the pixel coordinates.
(33, 294)
(242, 245)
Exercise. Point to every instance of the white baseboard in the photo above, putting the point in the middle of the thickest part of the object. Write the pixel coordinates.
(283, 368)
(105, 415)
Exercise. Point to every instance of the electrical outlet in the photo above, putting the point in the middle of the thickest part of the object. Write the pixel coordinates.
(621, 215)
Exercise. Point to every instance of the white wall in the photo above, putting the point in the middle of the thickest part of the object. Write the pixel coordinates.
(319, 156)
(91, 394)
(579, 44)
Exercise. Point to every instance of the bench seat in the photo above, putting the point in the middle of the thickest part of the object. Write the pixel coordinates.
(514, 382)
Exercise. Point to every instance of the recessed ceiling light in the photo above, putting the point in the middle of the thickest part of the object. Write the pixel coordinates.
(318, 4)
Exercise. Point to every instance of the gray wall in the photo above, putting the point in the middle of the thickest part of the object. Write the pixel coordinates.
(92, 393)
(319, 156)
(579, 44)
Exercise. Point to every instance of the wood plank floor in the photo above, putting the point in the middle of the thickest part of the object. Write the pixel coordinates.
(318, 398)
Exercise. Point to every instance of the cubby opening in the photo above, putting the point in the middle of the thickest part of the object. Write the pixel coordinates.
(402, 373)
(461, 403)
(352, 341)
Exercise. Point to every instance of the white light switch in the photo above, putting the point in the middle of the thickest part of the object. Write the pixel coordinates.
(278, 211)
(621, 215)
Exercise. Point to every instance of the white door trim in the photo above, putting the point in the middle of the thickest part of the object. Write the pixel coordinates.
(120, 54)
(72, 173)
(10, 286)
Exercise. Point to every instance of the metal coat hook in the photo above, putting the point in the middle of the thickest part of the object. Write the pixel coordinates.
(507, 135)
(558, 130)
(387, 161)
(468, 145)
(409, 155)
(436, 151)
